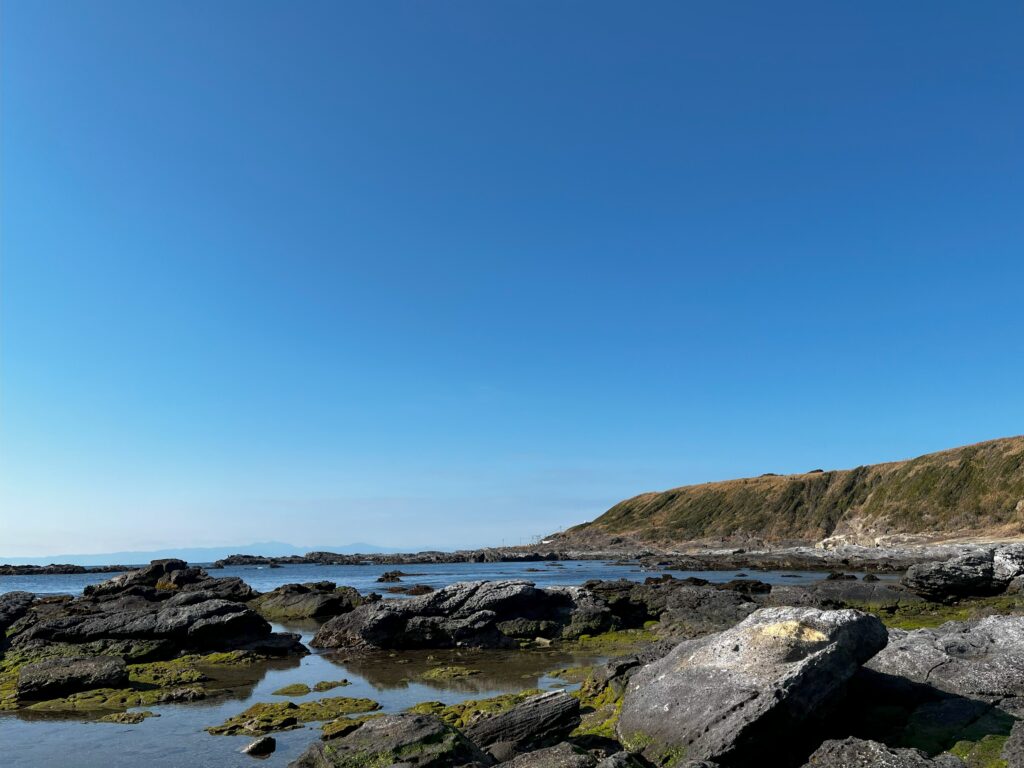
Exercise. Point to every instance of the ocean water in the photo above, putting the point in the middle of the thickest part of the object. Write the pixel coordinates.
(177, 738)
(364, 577)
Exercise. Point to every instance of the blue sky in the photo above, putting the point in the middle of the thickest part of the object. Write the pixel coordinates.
(458, 273)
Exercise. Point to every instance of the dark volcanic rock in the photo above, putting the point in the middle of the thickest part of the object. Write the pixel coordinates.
(146, 577)
(685, 610)
(152, 613)
(466, 614)
(13, 605)
(987, 571)
(264, 745)
(420, 740)
(543, 719)
(62, 676)
(963, 576)
(724, 696)
(850, 753)
(317, 600)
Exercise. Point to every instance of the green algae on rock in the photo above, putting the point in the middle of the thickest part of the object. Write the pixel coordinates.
(452, 672)
(615, 643)
(177, 680)
(295, 689)
(395, 739)
(466, 713)
(343, 726)
(281, 716)
(127, 718)
(926, 615)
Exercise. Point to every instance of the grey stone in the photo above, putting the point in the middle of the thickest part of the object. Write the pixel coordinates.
(539, 720)
(1013, 750)
(984, 657)
(723, 696)
(13, 605)
(961, 576)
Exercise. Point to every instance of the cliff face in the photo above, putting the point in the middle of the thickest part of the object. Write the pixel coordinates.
(975, 489)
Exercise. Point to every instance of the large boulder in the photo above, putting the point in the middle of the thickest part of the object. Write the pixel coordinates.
(851, 752)
(963, 576)
(987, 571)
(543, 719)
(419, 740)
(317, 600)
(684, 608)
(722, 697)
(464, 614)
(63, 676)
(983, 657)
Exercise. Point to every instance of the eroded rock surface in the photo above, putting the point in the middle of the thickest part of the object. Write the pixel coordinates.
(539, 720)
(722, 697)
(62, 676)
(973, 658)
(478, 614)
(987, 571)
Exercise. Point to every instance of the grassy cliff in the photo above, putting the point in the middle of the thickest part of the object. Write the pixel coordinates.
(976, 489)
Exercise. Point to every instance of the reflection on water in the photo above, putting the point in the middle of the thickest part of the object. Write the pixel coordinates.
(492, 670)
(176, 739)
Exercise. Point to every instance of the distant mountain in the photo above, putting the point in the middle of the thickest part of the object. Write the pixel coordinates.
(968, 491)
(195, 554)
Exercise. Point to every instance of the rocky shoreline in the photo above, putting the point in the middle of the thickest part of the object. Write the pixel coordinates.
(883, 558)
(57, 569)
(924, 671)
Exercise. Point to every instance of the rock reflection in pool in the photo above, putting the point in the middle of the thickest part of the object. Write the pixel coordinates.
(177, 738)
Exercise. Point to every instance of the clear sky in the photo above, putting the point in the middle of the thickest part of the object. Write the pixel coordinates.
(457, 273)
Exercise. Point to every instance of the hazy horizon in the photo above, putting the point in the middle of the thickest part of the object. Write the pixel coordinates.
(450, 274)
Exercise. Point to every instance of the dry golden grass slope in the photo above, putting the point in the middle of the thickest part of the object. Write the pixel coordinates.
(969, 491)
